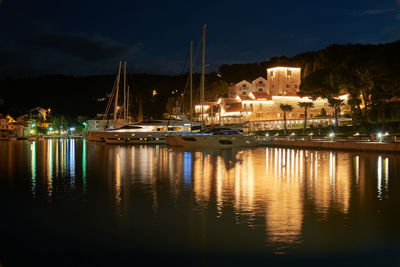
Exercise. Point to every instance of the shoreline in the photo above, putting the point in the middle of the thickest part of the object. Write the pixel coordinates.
(362, 146)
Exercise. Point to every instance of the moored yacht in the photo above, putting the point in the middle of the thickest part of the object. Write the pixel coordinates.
(145, 132)
(219, 137)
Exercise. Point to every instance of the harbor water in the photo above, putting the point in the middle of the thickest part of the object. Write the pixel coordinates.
(75, 203)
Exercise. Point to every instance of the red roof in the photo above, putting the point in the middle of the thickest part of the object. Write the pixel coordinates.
(245, 97)
(261, 96)
(234, 107)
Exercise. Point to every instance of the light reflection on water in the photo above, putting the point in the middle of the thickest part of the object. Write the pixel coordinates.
(274, 191)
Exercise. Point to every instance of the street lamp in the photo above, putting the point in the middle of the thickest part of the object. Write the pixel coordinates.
(379, 137)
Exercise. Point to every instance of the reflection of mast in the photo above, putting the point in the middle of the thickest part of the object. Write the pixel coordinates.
(202, 77)
(116, 95)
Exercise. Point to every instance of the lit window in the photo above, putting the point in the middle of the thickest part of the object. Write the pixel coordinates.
(278, 115)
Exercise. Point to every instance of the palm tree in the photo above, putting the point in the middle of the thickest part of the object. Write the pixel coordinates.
(285, 108)
(335, 104)
(305, 105)
(355, 103)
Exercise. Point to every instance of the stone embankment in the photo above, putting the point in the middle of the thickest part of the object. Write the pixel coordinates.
(336, 144)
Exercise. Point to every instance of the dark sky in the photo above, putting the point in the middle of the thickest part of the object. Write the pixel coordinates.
(90, 37)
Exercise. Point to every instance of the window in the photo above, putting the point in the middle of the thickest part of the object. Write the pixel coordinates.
(287, 85)
(260, 105)
(289, 72)
(260, 89)
(259, 115)
(260, 83)
(244, 92)
(278, 115)
(244, 85)
(273, 86)
(295, 86)
(272, 74)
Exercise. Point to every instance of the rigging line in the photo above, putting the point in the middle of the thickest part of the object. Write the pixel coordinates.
(187, 81)
(105, 116)
(194, 63)
(111, 98)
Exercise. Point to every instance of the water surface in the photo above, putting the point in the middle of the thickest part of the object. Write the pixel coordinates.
(71, 202)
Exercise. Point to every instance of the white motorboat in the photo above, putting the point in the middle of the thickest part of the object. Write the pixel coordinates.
(145, 132)
(219, 137)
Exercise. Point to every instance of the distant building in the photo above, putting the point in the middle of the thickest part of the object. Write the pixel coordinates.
(241, 88)
(283, 81)
(260, 85)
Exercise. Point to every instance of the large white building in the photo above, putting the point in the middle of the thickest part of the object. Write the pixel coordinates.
(258, 102)
(283, 80)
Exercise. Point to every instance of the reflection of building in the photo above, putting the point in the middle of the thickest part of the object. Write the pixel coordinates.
(258, 103)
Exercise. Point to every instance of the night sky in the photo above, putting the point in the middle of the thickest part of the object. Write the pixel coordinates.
(90, 37)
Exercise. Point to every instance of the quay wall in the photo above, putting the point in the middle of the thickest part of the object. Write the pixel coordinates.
(339, 145)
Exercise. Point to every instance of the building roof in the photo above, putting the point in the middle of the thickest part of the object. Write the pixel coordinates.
(229, 100)
(244, 97)
(210, 103)
(260, 96)
(234, 107)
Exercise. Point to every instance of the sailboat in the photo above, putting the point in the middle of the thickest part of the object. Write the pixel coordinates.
(218, 137)
(142, 132)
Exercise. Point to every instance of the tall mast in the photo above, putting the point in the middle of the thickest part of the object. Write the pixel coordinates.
(125, 105)
(116, 94)
(191, 80)
(202, 77)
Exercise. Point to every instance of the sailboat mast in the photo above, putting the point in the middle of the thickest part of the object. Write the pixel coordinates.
(191, 80)
(125, 105)
(116, 94)
(202, 77)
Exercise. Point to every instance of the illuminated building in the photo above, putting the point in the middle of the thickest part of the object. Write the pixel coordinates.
(258, 103)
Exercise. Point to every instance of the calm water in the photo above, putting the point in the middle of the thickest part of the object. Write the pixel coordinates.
(71, 202)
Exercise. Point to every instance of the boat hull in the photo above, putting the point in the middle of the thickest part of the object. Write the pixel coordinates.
(214, 141)
(129, 138)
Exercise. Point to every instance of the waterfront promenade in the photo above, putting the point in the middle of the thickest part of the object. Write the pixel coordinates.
(339, 144)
